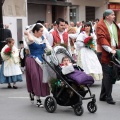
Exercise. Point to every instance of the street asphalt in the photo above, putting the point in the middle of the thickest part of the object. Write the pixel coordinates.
(15, 105)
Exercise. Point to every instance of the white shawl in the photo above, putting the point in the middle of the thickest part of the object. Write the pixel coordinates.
(11, 64)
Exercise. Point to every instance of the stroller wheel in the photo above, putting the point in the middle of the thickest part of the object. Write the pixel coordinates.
(78, 109)
(50, 104)
(92, 107)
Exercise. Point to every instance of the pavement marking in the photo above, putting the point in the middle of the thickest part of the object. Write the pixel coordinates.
(23, 98)
(19, 97)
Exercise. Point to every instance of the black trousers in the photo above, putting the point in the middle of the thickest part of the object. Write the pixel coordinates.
(99, 54)
(106, 88)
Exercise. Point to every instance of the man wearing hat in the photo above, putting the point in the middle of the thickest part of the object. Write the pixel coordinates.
(108, 37)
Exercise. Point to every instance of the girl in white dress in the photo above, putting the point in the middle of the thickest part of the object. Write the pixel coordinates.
(87, 58)
(10, 71)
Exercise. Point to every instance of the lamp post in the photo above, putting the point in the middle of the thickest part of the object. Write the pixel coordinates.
(1, 28)
(1, 16)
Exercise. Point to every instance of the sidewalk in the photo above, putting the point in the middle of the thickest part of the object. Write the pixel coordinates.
(118, 82)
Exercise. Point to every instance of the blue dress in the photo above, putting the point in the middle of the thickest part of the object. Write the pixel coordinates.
(10, 79)
(37, 50)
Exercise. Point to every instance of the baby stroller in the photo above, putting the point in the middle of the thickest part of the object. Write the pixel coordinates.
(67, 92)
(115, 69)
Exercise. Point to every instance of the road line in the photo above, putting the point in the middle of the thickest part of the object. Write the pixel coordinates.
(19, 97)
(23, 98)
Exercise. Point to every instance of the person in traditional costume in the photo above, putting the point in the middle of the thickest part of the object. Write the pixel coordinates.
(87, 58)
(108, 38)
(37, 45)
(10, 71)
(59, 36)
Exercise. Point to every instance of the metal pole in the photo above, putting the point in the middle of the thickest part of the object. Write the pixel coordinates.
(1, 17)
(1, 28)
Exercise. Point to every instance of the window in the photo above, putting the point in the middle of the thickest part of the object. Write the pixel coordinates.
(90, 13)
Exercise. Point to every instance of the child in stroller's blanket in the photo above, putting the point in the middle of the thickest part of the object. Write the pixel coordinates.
(79, 76)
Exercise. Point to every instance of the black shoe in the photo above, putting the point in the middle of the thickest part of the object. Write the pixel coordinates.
(111, 102)
(9, 86)
(39, 103)
(15, 87)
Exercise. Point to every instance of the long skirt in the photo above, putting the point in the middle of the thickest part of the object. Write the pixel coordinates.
(34, 77)
(88, 60)
(9, 79)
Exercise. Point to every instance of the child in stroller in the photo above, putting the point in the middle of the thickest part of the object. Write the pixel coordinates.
(78, 75)
(67, 92)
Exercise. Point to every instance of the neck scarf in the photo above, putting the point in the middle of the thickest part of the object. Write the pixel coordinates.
(114, 33)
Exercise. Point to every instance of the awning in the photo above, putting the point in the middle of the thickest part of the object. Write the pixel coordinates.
(114, 6)
(45, 2)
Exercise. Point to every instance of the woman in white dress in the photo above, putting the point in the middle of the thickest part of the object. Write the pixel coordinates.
(87, 58)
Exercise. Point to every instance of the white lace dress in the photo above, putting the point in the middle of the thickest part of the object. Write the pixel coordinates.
(87, 59)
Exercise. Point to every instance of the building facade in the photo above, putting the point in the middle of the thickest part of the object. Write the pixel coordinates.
(20, 13)
(47, 10)
(15, 15)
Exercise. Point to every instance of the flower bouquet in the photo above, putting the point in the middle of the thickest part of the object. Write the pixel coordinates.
(54, 82)
(82, 29)
(89, 42)
(8, 51)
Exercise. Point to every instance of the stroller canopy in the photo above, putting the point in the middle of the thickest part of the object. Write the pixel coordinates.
(58, 53)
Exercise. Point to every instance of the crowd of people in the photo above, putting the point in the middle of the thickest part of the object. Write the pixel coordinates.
(89, 43)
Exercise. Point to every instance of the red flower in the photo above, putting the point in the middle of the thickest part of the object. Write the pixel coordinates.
(61, 64)
(8, 51)
(82, 29)
(89, 43)
(88, 40)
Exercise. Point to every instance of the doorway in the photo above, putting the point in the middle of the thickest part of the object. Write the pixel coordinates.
(90, 13)
(19, 30)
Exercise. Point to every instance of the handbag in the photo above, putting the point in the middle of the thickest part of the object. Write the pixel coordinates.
(48, 73)
(46, 76)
